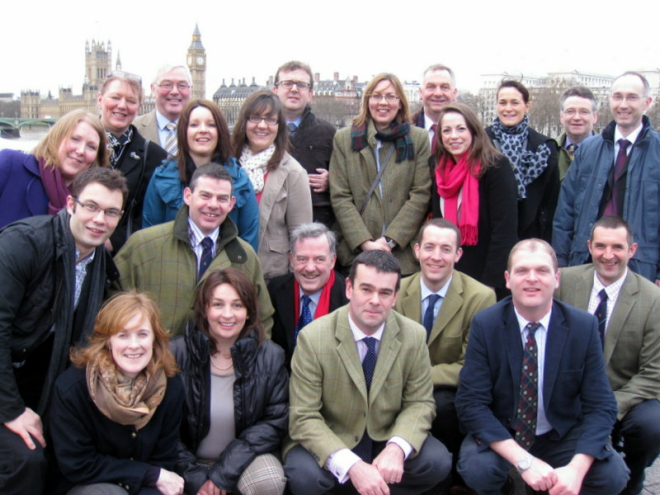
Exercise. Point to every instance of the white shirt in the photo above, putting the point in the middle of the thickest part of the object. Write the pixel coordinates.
(196, 238)
(612, 291)
(541, 335)
(341, 461)
(428, 123)
(426, 292)
(632, 137)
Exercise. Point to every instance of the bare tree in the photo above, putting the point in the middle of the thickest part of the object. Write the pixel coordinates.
(545, 108)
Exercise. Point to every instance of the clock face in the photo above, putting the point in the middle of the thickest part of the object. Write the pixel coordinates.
(200, 60)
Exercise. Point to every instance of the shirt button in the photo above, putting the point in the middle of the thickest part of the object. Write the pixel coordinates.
(134, 434)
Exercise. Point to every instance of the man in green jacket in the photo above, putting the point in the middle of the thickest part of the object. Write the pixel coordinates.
(579, 113)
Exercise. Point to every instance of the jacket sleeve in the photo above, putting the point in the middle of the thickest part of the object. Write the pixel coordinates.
(551, 193)
(153, 211)
(299, 201)
(248, 213)
(563, 225)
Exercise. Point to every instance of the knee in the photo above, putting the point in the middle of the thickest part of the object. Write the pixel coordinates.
(608, 475)
(482, 471)
(24, 468)
(434, 458)
(304, 475)
(264, 476)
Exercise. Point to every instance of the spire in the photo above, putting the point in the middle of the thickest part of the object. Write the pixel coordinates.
(118, 64)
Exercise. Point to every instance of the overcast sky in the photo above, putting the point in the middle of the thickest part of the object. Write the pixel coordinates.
(43, 42)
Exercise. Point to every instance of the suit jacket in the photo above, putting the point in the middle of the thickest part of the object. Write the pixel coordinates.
(575, 389)
(632, 339)
(148, 127)
(449, 335)
(282, 296)
(330, 408)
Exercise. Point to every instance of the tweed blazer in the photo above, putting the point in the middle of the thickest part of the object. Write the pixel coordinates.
(330, 407)
(632, 338)
(147, 126)
(286, 203)
(400, 207)
(449, 335)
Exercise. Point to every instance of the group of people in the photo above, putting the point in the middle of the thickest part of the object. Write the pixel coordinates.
(274, 257)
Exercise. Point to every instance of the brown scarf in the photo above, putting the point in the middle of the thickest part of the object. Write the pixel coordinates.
(124, 401)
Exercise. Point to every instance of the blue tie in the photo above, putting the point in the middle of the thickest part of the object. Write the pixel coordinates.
(207, 256)
(293, 128)
(364, 449)
(428, 314)
(601, 314)
(305, 317)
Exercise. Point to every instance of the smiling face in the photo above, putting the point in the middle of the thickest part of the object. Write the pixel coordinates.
(578, 117)
(119, 107)
(133, 346)
(312, 263)
(295, 99)
(382, 111)
(628, 103)
(170, 102)
(91, 230)
(226, 315)
(532, 280)
(456, 136)
(210, 203)
(436, 92)
(511, 106)
(372, 296)
(437, 253)
(610, 253)
(77, 151)
(202, 135)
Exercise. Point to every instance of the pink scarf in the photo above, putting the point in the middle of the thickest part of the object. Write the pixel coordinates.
(454, 178)
(56, 189)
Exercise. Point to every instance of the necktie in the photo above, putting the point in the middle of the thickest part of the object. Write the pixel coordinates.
(207, 256)
(571, 150)
(525, 424)
(305, 317)
(293, 128)
(612, 207)
(601, 314)
(171, 144)
(428, 314)
(434, 128)
(364, 449)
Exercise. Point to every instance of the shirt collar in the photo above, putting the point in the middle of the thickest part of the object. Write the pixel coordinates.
(522, 322)
(611, 289)
(632, 137)
(86, 260)
(162, 121)
(426, 292)
(359, 334)
(314, 297)
(296, 122)
(428, 123)
(197, 236)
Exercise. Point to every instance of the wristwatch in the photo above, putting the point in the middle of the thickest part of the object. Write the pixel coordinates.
(524, 464)
(390, 242)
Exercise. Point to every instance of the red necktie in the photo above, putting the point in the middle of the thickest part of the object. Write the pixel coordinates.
(619, 169)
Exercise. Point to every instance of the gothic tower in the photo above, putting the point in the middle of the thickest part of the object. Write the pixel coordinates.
(197, 64)
(98, 63)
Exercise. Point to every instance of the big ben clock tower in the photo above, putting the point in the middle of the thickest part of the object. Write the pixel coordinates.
(197, 65)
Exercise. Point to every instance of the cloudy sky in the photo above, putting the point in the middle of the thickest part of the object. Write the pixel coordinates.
(43, 42)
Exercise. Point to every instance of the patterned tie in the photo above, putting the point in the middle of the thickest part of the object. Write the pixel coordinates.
(434, 129)
(207, 256)
(364, 449)
(571, 148)
(428, 314)
(525, 424)
(305, 317)
(601, 314)
(293, 128)
(171, 144)
(612, 207)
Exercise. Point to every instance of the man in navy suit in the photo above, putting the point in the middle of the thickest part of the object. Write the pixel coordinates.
(533, 392)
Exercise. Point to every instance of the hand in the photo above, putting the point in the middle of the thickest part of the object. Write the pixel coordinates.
(657, 282)
(375, 245)
(540, 476)
(319, 182)
(390, 463)
(209, 488)
(367, 480)
(28, 423)
(169, 483)
(569, 481)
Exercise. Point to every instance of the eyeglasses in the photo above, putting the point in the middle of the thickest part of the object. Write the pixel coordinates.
(112, 213)
(632, 97)
(290, 84)
(169, 85)
(255, 119)
(583, 112)
(390, 98)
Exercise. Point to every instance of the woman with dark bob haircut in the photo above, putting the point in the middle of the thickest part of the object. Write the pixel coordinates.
(203, 137)
(116, 414)
(261, 144)
(474, 188)
(533, 157)
(236, 393)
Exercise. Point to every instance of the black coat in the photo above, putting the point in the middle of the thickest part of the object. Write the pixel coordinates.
(261, 406)
(91, 448)
(138, 173)
(536, 211)
(498, 212)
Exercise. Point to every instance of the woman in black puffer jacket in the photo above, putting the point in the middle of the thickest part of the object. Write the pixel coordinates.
(231, 445)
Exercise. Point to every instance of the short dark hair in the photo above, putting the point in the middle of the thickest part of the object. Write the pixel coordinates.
(295, 65)
(441, 223)
(512, 83)
(613, 222)
(312, 230)
(581, 92)
(533, 245)
(645, 82)
(382, 261)
(110, 178)
(212, 171)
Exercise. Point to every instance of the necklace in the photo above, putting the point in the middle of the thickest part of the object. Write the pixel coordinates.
(231, 364)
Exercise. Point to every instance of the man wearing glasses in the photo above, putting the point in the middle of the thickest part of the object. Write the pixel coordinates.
(54, 271)
(171, 89)
(310, 136)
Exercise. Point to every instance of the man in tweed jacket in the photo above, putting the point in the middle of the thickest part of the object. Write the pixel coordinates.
(333, 407)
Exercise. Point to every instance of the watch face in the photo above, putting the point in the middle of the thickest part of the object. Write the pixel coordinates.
(200, 60)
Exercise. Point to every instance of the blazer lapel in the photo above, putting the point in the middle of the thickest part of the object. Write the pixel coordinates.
(347, 350)
(450, 306)
(411, 300)
(583, 286)
(554, 349)
(390, 346)
(288, 317)
(514, 348)
(624, 305)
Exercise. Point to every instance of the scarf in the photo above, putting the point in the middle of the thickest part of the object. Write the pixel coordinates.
(117, 145)
(399, 134)
(256, 165)
(124, 401)
(323, 307)
(527, 165)
(454, 178)
(56, 190)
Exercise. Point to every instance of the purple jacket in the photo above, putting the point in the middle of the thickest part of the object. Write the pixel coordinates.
(22, 193)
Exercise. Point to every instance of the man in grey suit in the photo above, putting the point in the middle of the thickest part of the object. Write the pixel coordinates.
(628, 309)
(171, 89)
